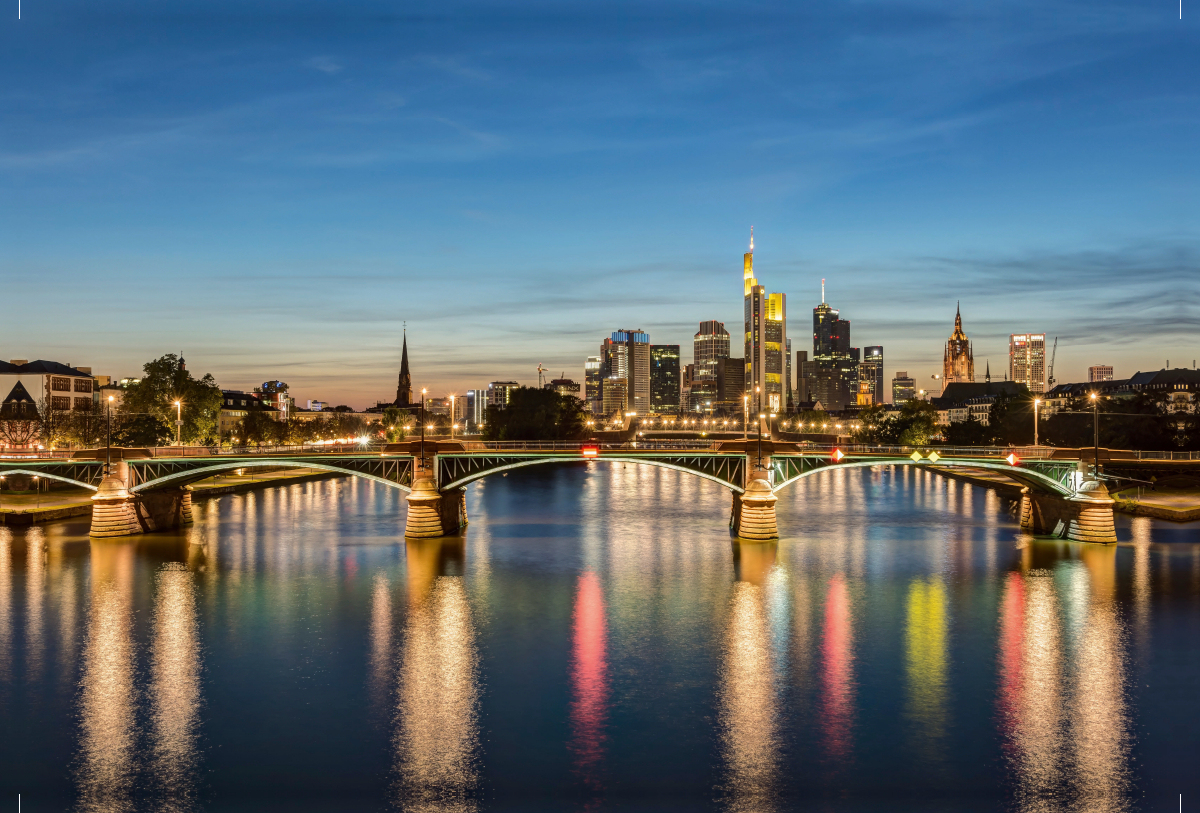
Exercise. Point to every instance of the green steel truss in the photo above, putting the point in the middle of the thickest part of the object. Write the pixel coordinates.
(86, 473)
(147, 475)
(457, 469)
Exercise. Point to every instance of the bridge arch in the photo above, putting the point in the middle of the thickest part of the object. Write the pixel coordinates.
(181, 478)
(1020, 475)
(48, 476)
(536, 461)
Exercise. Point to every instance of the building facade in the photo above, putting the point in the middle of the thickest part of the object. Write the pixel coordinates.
(710, 343)
(765, 321)
(958, 362)
(664, 377)
(1027, 360)
(731, 385)
(1100, 372)
(870, 374)
(593, 391)
(50, 384)
(904, 388)
(616, 397)
(275, 393)
(833, 378)
(476, 408)
(499, 393)
(626, 355)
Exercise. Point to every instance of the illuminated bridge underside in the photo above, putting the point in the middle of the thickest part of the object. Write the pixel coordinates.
(1046, 476)
(85, 475)
(147, 475)
(456, 470)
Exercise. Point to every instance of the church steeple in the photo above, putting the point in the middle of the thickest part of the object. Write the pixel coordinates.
(404, 385)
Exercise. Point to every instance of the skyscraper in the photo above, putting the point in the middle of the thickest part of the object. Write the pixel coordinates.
(834, 381)
(710, 343)
(627, 355)
(404, 385)
(593, 394)
(765, 339)
(476, 407)
(870, 372)
(1027, 360)
(958, 364)
(664, 377)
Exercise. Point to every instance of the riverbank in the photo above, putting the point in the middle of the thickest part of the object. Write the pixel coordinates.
(20, 509)
(1175, 505)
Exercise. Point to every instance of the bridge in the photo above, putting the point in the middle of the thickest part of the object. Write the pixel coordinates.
(137, 491)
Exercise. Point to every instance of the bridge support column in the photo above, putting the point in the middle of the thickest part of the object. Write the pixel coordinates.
(114, 509)
(1085, 517)
(453, 511)
(424, 509)
(163, 509)
(753, 516)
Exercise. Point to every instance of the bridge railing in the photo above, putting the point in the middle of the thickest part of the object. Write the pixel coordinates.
(576, 446)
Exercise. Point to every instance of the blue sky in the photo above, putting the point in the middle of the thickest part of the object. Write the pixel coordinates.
(274, 188)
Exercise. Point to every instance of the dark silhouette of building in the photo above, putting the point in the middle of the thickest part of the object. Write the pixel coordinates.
(404, 386)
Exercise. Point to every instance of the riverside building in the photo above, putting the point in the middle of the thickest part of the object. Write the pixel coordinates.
(1027, 360)
(664, 378)
(765, 317)
(626, 355)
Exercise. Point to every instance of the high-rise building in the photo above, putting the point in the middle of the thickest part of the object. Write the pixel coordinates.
(903, 388)
(404, 385)
(476, 407)
(664, 378)
(627, 355)
(1027, 360)
(1100, 372)
(710, 343)
(616, 396)
(731, 385)
(765, 318)
(593, 392)
(563, 386)
(788, 393)
(870, 373)
(805, 375)
(958, 363)
(500, 392)
(834, 378)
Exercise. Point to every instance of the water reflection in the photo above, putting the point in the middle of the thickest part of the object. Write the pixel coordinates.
(1062, 702)
(925, 666)
(6, 598)
(437, 736)
(109, 733)
(747, 698)
(837, 672)
(35, 599)
(175, 688)
(589, 680)
(380, 675)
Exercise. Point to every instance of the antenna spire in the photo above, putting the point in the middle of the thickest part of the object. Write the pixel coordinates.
(822, 290)
(751, 239)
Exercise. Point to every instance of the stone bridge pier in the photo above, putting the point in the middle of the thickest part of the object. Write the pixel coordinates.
(1085, 517)
(117, 511)
(433, 513)
(752, 517)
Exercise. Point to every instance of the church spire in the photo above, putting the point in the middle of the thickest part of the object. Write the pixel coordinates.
(404, 385)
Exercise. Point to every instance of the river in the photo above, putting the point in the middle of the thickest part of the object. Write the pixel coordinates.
(596, 642)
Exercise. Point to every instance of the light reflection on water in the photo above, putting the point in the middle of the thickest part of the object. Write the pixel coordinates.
(902, 635)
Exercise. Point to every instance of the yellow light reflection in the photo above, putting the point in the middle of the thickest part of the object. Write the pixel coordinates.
(175, 688)
(437, 720)
(748, 704)
(925, 665)
(108, 703)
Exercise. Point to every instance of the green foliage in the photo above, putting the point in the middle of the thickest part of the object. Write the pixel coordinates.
(162, 384)
(259, 428)
(1147, 423)
(535, 414)
(328, 427)
(140, 431)
(86, 427)
(968, 433)
(914, 425)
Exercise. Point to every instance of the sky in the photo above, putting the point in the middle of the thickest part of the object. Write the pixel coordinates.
(275, 189)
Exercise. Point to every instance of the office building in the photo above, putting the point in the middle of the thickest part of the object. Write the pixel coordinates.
(664, 377)
(563, 386)
(805, 374)
(834, 376)
(476, 408)
(626, 355)
(731, 385)
(765, 318)
(870, 373)
(500, 392)
(958, 363)
(593, 391)
(1100, 372)
(616, 397)
(1027, 360)
(788, 394)
(904, 388)
(51, 385)
(709, 344)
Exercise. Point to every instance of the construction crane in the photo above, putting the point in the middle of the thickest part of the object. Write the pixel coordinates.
(541, 377)
(1050, 371)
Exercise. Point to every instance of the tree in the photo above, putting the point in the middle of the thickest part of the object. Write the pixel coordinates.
(1144, 421)
(52, 429)
(535, 414)
(163, 383)
(259, 428)
(140, 431)
(917, 423)
(968, 433)
(86, 427)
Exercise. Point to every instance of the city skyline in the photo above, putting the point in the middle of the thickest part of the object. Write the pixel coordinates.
(285, 197)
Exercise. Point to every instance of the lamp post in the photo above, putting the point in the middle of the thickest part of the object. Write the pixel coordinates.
(178, 424)
(1095, 436)
(1036, 402)
(760, 420)
(745, 414)
(452, 417)
(37, 488)
(423, 427)
(108, 446)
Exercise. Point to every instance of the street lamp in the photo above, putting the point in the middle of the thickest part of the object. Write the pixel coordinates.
(745, 413)
(108, 448)
(1036, 403)
(1095, 436)
(760, 423)
(453, 425)
(423, 391)
(178, 424)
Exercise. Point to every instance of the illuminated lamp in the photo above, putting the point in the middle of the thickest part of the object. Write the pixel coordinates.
(1012, 459)
(590, 451)
(837, 455)
(934, 457)
(915, 457)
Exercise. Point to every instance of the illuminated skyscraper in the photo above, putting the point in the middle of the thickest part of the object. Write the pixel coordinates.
(664, 378)
(1027, 360)
(903, 388)
(870, 374)
(834, 379)
(709, 344)
(627, 355)
(593, 393)
(765, 340)
(958, 365)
